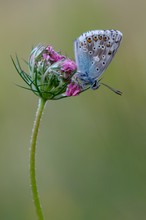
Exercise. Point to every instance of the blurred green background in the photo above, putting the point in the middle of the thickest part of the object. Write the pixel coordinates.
(91, 155)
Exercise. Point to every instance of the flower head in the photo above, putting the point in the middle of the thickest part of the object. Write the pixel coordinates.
(50, 73)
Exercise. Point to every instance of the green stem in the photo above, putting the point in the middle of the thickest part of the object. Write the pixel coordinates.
(35, 194)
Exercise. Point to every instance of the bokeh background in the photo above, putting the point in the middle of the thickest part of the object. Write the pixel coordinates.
(91, 155)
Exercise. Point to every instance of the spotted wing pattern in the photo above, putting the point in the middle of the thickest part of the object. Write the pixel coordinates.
(94, 50)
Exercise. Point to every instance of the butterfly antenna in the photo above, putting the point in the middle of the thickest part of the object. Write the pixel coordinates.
(114, 90)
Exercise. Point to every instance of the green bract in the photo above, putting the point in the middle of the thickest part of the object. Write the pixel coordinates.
(50, 73)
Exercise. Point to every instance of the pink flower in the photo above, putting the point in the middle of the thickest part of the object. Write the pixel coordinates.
(52, 55)
(73, 89)
(68, 66)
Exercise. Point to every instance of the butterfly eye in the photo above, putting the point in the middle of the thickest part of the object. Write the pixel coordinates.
(95, 85)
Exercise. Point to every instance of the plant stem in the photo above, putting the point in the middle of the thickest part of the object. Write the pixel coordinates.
(33, 181)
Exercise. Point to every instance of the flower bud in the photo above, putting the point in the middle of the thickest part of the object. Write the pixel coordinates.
(50, 74)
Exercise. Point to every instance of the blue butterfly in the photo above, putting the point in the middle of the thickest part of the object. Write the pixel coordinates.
(94, 50)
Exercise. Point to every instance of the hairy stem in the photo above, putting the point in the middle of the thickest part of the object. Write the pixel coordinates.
(33, 181)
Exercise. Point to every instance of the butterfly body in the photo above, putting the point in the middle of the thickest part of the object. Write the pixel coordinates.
(94, 50)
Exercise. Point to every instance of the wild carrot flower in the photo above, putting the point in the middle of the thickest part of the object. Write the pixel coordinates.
(50, 73)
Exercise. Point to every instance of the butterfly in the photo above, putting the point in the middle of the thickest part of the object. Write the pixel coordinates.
(94, 50)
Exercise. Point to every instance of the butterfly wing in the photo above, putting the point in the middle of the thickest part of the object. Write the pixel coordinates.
(94, 51)
(82, 58)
